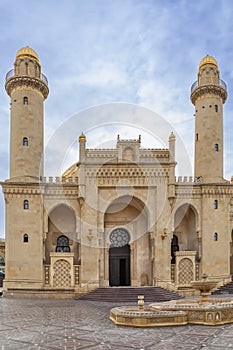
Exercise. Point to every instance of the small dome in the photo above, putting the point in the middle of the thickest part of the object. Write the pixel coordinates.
(82, 137)
(208, 60)
(27, 52)
(172, 136)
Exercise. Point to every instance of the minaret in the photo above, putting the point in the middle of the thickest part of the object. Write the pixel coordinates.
(82, 147)
(81, 172)
(28, 88)
(208, 94)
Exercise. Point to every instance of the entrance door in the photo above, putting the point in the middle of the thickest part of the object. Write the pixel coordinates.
(119, 266)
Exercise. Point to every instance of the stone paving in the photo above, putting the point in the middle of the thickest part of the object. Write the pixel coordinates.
(72, 325)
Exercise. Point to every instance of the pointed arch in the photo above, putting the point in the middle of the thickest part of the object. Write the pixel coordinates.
(61, 224)
(185, 223)
(122, 202)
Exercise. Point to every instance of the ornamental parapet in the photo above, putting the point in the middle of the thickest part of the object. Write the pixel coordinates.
(147, 155)
(188, 179)
(181, 179)
(59, 180)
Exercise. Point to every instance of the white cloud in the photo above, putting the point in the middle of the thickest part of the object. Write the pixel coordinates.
(103, 74)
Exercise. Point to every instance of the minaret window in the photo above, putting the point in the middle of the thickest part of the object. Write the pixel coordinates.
(25, 141)
(25, 238)
(216, 108)
(216, 147)
(216, 236)
(215, 204)
(196, 136)
(26, 204)
(63, 244)
(25, 100)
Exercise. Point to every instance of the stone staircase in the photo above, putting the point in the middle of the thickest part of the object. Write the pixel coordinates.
(130, 294)
(226, 289)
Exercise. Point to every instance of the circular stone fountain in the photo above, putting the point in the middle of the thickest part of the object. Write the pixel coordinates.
(203, 310)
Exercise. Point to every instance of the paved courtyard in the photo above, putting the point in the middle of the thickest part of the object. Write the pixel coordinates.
(73, 325)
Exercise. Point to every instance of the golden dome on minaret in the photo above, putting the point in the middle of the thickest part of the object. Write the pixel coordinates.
(172, 136)
(27, 52)
(82, 137)
(208, 60)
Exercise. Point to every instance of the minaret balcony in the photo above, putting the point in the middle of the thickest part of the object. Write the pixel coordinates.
(12, 74)
(221, 83)
(198, 90)
(15, 81)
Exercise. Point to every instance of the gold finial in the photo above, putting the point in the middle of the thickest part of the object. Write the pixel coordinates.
(208, 60)
(27, 52)
(82, 137)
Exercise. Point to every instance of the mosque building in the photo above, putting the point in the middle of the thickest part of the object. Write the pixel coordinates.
(117, 217)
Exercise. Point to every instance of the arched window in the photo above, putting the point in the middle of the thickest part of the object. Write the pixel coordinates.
(216, 236)
(25, 204)
(216, 108)
(25, 141)
(215, 204)
(25, 101)
(63, 244)
(25, 238)
(216, 147)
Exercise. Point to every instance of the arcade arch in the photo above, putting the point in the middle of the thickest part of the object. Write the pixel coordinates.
(185, 232)
(61, 223)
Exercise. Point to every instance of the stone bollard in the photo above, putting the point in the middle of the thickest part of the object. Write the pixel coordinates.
(141, 302)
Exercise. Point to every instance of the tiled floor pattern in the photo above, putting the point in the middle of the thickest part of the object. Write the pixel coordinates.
(75, 325)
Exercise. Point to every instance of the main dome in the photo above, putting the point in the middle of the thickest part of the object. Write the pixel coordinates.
(27, 52)
(208, 60)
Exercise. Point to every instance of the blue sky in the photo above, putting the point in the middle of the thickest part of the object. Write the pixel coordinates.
(143, 52)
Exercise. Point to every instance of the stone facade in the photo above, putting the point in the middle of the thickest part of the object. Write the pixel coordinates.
(119, 216)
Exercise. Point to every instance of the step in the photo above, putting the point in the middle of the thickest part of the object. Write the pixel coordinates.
(130, 294)
(226, 289)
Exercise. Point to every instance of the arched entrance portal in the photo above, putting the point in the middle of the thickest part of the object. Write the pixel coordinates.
(119, 258)
(127, 214)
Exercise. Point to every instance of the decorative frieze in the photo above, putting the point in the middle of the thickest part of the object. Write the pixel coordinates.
(186, 189)
(54, 191)
(129, 172)
(21, 191)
